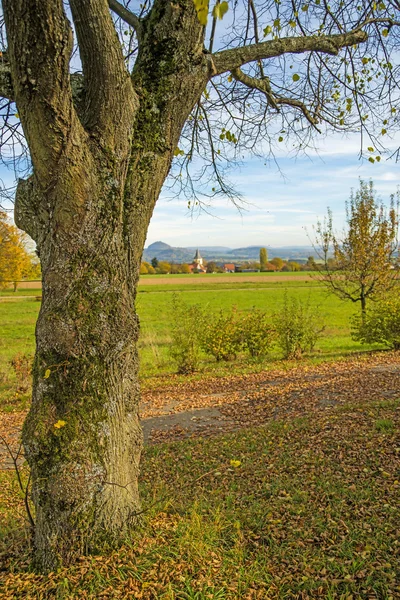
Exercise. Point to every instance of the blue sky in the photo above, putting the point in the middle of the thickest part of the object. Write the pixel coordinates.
(282, 206)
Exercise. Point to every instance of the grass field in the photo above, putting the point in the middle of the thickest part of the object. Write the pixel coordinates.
(18, 313)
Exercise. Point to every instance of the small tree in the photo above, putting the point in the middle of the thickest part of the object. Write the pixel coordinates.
(263, 259)
(185, 268)
(358, 263)
(143, 269)
(154, 262)
(278, 263)
(15, 261)
(211, 267)
(163, 267)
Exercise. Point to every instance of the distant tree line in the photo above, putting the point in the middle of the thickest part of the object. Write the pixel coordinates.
(274, 265)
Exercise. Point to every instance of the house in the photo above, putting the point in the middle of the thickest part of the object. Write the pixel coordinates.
(228, 268)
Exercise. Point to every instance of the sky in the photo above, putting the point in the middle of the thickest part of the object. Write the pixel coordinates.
(282, 205)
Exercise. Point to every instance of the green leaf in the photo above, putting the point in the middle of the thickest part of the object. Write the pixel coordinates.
(383, 131)
(385, 32)
(296, 77)
(371, 160)
(280, 139)
(292, 24)
(267, 30)
(47, 374)
(370, 149)
(220, 10)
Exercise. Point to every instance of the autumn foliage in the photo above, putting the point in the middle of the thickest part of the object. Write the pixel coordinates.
(15, 262)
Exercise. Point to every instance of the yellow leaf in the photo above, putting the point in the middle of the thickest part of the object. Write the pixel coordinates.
(60, 424)
(235, 463)
(385, 32)
(201, 7)
(47, 374)
(220, 10)
(230, 78)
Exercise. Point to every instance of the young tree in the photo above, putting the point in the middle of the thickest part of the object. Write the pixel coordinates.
(278, 263)
(15, 261)
(358, 263)
(263, 259)
(101, 144)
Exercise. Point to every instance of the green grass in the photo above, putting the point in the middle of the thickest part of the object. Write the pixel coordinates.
(17, 323)
(310, 512)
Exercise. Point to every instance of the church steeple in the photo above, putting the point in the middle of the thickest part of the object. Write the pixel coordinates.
(198, 260)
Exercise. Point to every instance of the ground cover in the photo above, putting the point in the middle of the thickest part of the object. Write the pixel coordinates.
(303, 506)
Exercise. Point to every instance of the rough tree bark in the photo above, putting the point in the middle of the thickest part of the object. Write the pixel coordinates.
(97, 175)
(100, 152)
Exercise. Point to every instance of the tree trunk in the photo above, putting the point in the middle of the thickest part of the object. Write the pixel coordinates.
(363, 300)
(98, 168)
(82, 436)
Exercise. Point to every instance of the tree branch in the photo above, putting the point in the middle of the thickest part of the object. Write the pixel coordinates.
(126, 15)
(228, 60)
(109, 99)
(41, 76)
(264, 86)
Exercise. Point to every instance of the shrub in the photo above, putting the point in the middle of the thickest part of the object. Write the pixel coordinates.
(222, 336)
(380, 325)
(187, 323)
(257, 332)
(298, 327)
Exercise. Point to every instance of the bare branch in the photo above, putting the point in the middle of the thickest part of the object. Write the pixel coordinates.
(227, 60)
(126, 15)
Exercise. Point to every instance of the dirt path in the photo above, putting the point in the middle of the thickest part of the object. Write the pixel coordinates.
(213, 406)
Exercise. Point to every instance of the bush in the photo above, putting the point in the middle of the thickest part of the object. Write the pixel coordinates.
(222, 336)
(186, 329)
(257, 332)
(381, 324)
(298, 327)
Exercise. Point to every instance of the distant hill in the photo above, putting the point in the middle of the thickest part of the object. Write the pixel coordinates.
(163, 251)
(158, 247)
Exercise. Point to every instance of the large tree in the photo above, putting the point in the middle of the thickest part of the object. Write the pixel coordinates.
(153, 85)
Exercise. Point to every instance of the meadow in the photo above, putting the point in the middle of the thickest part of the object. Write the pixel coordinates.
(18, 313)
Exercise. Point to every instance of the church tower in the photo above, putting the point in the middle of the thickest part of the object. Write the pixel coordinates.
(198, 260)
